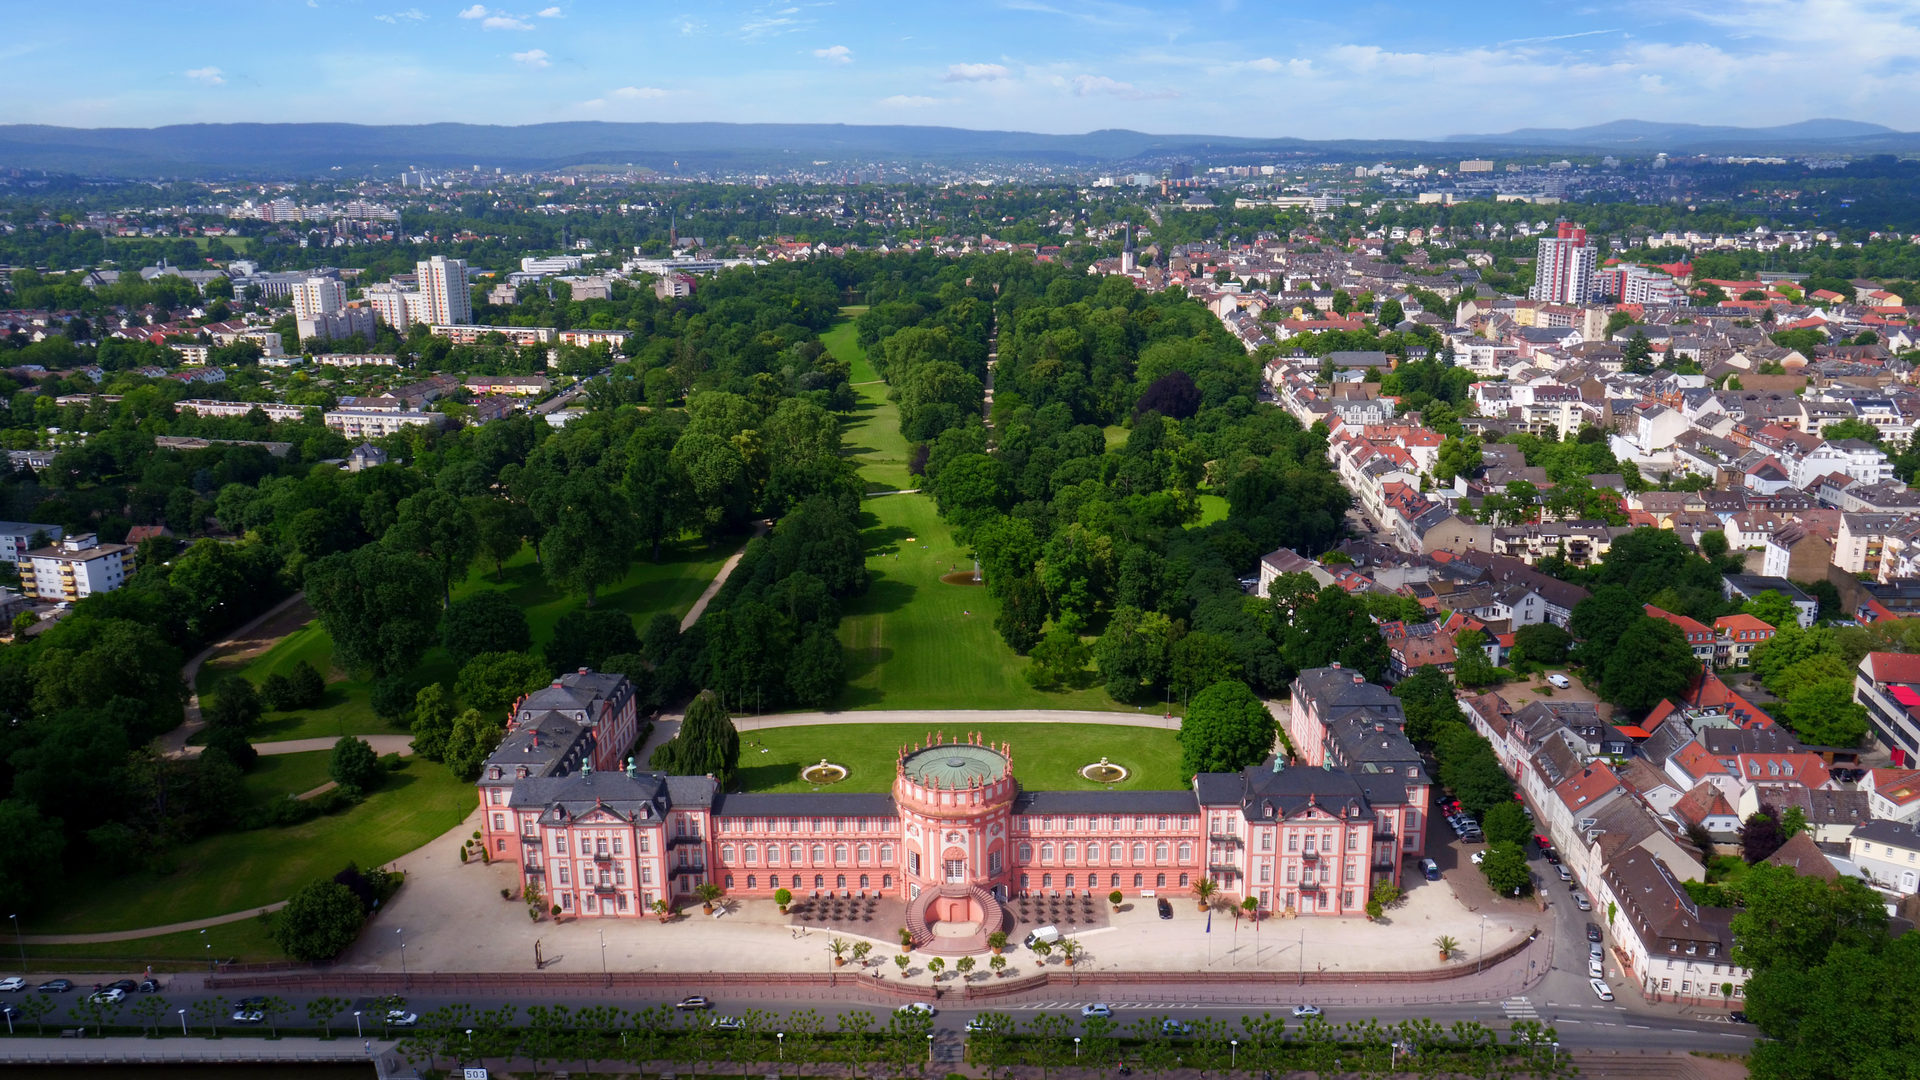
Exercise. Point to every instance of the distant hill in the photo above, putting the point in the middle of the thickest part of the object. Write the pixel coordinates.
(310, 149)
(1653, 136)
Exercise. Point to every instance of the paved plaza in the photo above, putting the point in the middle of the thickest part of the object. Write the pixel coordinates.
(452, 918)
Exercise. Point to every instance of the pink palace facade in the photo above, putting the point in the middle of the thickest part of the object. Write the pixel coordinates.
(957, 833)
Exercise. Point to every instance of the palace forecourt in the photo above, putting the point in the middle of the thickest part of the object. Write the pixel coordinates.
(957, 839)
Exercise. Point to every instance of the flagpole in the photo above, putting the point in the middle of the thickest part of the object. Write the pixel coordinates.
(1209, 937)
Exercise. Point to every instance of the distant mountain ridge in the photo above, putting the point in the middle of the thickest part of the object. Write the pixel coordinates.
(308, 149)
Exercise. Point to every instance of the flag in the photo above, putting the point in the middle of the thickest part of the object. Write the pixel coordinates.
(1209, 920)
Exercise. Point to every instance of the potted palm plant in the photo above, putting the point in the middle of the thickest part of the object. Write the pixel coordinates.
(708, 892)
(860, 951)
(663, 909)
(1069, 949)
(1447, 946)
(1204, 890)
(839, 950)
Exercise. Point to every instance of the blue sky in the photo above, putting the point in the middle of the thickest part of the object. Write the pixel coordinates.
(1369, 68)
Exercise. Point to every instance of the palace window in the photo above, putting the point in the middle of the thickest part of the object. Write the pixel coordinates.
(1139, 880)
(1186, 851)
(1160, 852)
(1139, 853)
(1026, 853)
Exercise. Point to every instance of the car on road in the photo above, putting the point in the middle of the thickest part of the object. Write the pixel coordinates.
(1600, 989)
(979, 1023)
(1580, 901)
(913, 1008)
(402, 1018)
(1099, 1008)
(55, 986)
(127, 985)
(1177, 1028)
(1559, 681)
(1593, 932)
(1301, 1012)
(149, 986)
(1738, 1017)
(1164, 907)
(686, 1004)
(734, 1023)
(1596, 969)
(109, 996)
(248, 1016)
(12, 984)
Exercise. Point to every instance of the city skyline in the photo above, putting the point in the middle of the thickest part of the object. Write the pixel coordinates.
(1386, 70)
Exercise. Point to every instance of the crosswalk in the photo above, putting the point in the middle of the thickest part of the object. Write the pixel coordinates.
(1519, 1009)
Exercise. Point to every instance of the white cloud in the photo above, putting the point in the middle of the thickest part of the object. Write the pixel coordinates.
(835, 54)
(504, 22)
(208, 75)
(533, 58)
(477, 11)
(398, 17)
(1091, 85)
(639, 93)
(550, 13)
(976, 72)
(908, 101)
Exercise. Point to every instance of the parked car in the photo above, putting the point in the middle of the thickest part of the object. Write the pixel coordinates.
(1164, 907)
(687, 1004)
(1600, 989)
(734, 1023)
(248, 1016)
(1593, 947)
(1559, 681)
(915, 1007)
(1176, 1028)
(250, 1003)
(12, 984)
(1099, 1008)
(149, 986)
(1551, 856)
(1545, 844)
(979, 1023)
(1593, 932)
(1596, 968)
(124, 985)
(55, 986)
(1301, 1012)
(1580, 901)
(1738, 1017)
(1431, 869)
(402, 1018)
(110, 996)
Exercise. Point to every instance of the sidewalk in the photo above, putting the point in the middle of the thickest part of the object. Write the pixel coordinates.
(174, 742)
(184, 1051)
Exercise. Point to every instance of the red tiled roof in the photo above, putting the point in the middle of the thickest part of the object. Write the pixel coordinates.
(1894, 667)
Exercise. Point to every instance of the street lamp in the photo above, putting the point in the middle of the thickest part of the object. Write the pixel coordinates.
(469, 1042)
(357, 1033)
(606, 979)
(1480, 956)
(405, 979)
(183, 1021)
(1076, 1048)
(1233, 1052)
(780, 1044)
(1303, 958)
(209, 944)
(20, 941)
(929, 1046)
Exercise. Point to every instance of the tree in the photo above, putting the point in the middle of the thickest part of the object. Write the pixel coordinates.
(484, 621)
(322, 1010)
(590, 542)
(1761, 835)
(1172, 395)
(1427, 698)
(1823, 713)
(492, 681)
(432, 726)
(319, 923)
(1770, 607)
(1460, 456)
(1505, 868)
(235, 707)
(1391, 314)
(354, 765)
(439, 528)
(1541, 643)
(1651, 663)
(380, 608)
(500, 527)
(1636, 355)
(1791, 921)
(1471, 667)
(584, 637)
(1226, 729)
(1507, 822)
(708, 743)
(473, 737)
(1200, 660)
(1057, 660)
(1132, 654)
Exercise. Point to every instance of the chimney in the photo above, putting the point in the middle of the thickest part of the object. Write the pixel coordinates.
(1359, 679)
(583, 671)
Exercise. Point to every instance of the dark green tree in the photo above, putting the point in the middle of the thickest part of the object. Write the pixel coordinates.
(486, 620)
(1227, 728)
(1651, 663)
(439, 528)
(319, 923)
(492, 681)
(354, 765)
(381, 608)
(707, 745)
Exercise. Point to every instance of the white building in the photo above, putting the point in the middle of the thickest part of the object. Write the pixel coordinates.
(372, 424)
(398, 308)
(1563, 268)
(318, 296)
(444, 297)
(76, 567)
(16, 538)
(339, 325)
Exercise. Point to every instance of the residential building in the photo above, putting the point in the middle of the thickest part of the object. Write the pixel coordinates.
(468, 334)
(76, 567)
(318, 296)
(1675, 949)
(17, 537)
(1735, 638)
(1748, 586)
(1563, 267)
(1888, 685)
(339, 325)
(528, 385)
(398, 308)
(375, 423)
(1888, 855)
(445, 299)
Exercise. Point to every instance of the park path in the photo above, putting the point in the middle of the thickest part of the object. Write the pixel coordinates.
(107, 936)
(699, 607)
(901, 491)
(174, 743)
(382, 744)
(951, 717)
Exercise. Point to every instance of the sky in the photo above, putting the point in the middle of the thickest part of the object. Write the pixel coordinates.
(1358, 69)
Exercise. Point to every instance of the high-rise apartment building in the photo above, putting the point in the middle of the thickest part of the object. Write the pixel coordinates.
(1563, 268)
(318, 296)
(444, 298)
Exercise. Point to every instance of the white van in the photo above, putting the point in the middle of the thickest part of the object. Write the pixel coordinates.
(1048, 934)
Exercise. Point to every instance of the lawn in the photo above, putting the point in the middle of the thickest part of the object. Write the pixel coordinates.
(237, 243)
(246, 870)
(1116, 435)
(1212, 508)
(672, 585)
(915, 642)
(841, 345)
(1045, 756)
(245, 940)
(872, 438)
(279, 775)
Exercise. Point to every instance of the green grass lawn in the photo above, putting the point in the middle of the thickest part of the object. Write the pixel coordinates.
(841, 345)
(671, 585)
(1045, 756)
(245, 940)
(915, 642)
(1212, 508)
(1116, 435)
(238, 871)
(237, 243)
(280, 775)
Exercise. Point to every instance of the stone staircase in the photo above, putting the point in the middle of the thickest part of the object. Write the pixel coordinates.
(994, 917)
